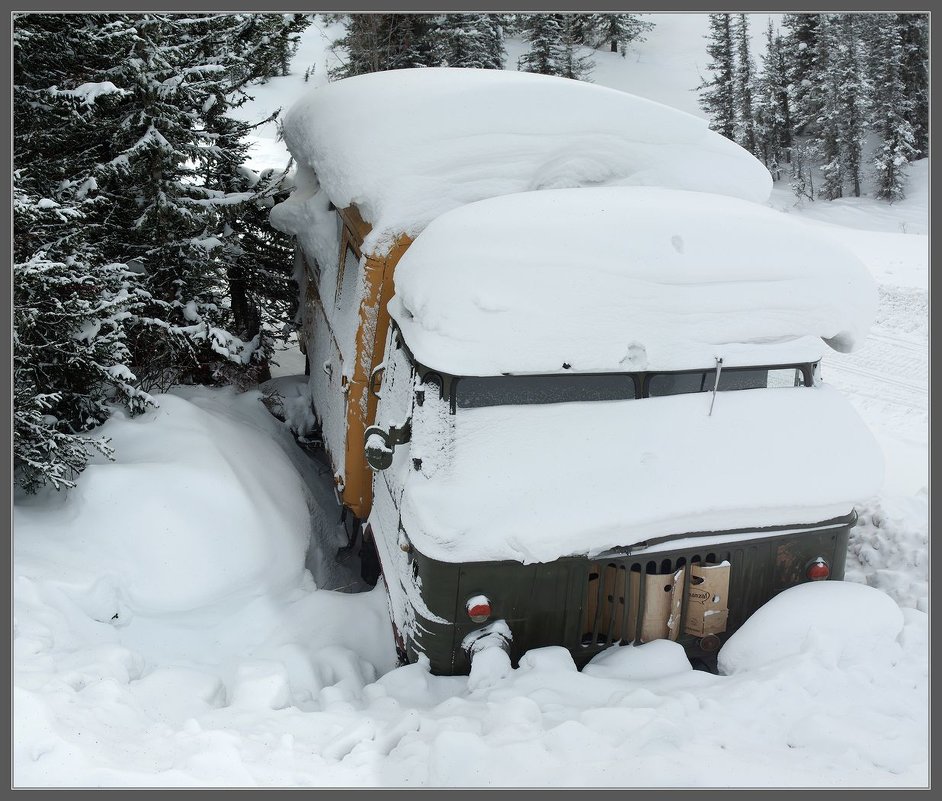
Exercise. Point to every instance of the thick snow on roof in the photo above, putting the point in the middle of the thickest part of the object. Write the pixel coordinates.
(623, 279)
(533, 483)
(407, 145)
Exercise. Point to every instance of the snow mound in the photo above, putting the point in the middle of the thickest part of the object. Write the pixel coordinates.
(407, 145)
(669, 280)
(154, 532)
(835, 619)
(651, 660)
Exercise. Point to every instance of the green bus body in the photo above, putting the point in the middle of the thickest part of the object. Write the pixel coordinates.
(546, 603)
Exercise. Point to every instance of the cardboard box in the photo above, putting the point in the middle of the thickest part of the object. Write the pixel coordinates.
(662, 604)
(707, 603)
(707, 599)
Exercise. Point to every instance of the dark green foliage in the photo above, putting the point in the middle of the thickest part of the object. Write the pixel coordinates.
(618, 31)
(893, 107)
(142, 252)
(554, 43)
(718, 94)
(800, 46)
(379, 42)
(473, 40)
(268, 42)
(773, 110)
(72, 306)
(743, 81)
(913, 31)
(543, 33)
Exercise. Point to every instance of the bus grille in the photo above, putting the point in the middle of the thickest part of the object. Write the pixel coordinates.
(618, 590)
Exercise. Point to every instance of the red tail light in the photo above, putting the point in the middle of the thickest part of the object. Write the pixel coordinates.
(479, 608)
(818, 570)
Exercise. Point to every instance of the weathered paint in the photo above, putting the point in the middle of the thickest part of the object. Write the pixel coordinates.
(373, 324)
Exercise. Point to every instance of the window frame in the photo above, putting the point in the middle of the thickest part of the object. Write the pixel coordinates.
(347, 242)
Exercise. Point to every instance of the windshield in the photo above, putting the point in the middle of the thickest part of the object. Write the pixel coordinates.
(516, 390)
(731, 378)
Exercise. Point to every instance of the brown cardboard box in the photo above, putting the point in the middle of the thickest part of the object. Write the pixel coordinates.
(662, 604)
(707, 603)
(708, 599)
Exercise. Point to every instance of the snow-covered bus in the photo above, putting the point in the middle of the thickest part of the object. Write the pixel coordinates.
(567, 365)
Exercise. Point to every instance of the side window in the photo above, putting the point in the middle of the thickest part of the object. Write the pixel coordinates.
(395, 400)
(347, 280)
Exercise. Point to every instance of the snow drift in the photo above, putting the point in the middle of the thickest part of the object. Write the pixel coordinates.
(180, 533)
(407, 145)
(625, 279)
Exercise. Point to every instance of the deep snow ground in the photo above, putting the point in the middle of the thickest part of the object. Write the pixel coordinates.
(175, 624)
(181, 643)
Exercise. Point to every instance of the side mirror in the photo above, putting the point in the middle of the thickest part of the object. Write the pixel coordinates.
(380, 444)
(379, 450)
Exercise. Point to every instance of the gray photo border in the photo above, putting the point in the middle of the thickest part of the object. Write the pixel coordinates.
(676, 6)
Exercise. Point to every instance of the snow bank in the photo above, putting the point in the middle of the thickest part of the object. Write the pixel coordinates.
(193, 513)
(533, 483)
(836, 619)
(625, 279)
(889, 546)
(407, 145)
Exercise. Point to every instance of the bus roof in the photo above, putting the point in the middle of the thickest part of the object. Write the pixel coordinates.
(406, 145)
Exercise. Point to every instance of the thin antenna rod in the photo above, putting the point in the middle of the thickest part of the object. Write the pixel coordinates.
(716, 384)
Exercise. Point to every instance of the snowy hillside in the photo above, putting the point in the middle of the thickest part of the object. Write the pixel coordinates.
(180, 618)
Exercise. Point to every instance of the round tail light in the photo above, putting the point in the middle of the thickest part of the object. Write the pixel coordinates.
(818, 570)
(479, 608)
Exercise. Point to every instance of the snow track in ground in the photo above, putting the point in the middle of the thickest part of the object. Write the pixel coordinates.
(887, 380)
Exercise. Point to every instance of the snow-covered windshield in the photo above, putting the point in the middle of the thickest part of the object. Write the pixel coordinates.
(730, 379)
(515, 390)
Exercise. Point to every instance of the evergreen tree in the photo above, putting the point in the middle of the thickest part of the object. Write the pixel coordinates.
(554, 41)
(71, 305)
(829, 123)
(70, 358)
(173, 173)
(473, 40)
(718, 94)
(543, 33)
(853, 90)
(773, 120)
(497, 52)
(580, 28)
(267, 42)
(378, 42)
(573, 29)
(618, 31)
(914, 73)
(892, 109)
(800, 46)
(743, 78)
(163, 215)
